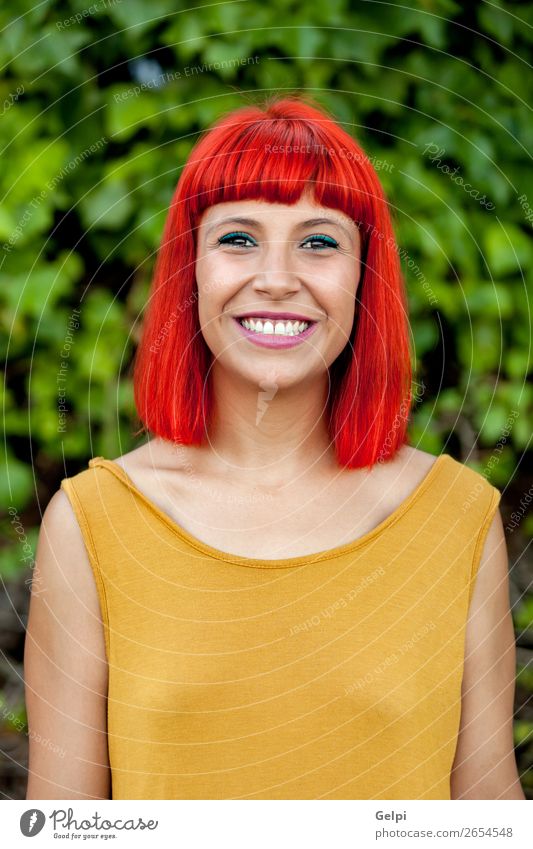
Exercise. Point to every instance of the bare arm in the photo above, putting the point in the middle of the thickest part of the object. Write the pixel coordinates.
(485, 765)
(65, 667)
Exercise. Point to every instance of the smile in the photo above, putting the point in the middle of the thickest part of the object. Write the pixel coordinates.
(279, 328)
(275, 334)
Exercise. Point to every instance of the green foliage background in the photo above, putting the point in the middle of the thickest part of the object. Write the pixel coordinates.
(89, 167)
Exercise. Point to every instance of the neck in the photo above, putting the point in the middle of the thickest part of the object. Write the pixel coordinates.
(268, 432)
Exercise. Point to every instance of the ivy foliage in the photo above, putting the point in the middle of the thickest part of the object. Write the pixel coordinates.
(100, 106)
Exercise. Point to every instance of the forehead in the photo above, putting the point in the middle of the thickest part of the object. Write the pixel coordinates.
(269, 213)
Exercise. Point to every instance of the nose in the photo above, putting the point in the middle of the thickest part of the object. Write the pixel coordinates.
(276, 273)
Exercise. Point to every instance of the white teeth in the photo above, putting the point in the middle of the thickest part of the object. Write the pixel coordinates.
(280, 328)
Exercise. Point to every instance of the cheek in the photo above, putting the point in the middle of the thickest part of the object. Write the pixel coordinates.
(344, 322)
(203, 270)
(215, 295)
(212, 290)
(339, 302)
(216, 278)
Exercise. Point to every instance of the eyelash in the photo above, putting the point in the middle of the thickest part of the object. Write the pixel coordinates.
(331, 243)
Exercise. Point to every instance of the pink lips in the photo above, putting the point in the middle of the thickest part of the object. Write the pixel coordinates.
(272, 340)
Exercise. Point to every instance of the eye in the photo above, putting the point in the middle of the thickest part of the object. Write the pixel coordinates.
(229, 239)
(238, 238)
(323, 241)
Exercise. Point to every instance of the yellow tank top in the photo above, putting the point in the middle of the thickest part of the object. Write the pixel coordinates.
(335, 675)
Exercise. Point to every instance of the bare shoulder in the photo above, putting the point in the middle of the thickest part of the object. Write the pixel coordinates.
(157, 455)
(59, 523)
(416, 461)
(406, 471)
(65, 665)
(63, 575)
(485, 765)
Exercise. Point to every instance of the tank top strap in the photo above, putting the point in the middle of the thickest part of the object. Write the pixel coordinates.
(111, 466)
(95, 492)
(108, 506)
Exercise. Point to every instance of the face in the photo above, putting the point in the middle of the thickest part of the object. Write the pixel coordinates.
(276, 287)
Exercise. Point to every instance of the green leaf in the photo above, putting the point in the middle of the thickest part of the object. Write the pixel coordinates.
(507, 249)
(16, 482)
(108, 206)
(522, 732)
(497, 21)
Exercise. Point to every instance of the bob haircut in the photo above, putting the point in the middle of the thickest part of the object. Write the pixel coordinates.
(240, 158)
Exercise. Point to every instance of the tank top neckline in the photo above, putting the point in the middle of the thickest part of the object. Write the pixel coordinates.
(300, 560)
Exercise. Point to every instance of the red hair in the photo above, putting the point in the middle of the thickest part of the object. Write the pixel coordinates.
(370, 381)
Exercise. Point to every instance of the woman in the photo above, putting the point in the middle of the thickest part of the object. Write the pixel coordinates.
(275, 597)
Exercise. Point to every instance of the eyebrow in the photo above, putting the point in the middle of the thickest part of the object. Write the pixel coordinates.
(253, 222)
